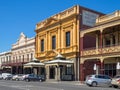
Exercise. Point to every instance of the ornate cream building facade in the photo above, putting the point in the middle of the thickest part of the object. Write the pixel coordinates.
(5, 59)
(59, 34)
(21, 52)
(106, 55)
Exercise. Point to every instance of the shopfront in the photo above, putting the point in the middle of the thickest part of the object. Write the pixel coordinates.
(59, 69)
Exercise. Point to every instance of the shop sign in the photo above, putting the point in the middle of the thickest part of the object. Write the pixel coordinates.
(89, 18)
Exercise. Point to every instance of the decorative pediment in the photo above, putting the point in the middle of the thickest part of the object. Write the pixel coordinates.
(50, 20)
(22, 37)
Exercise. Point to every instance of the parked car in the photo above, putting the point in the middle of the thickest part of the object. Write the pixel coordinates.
(1, 77)
(18, 77)
(116, 81)
(98, 80)
(7, 76)
(33, 77)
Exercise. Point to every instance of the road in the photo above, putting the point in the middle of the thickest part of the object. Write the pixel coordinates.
(22, 85)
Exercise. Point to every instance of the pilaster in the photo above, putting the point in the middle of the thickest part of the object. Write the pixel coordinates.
(101, 65)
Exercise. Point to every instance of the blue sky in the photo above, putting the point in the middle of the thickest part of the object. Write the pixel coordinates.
(18, 16)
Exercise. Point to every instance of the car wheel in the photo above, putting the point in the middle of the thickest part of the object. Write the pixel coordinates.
(17, 79)
(27, 80)
(115, 86)
(40, 80)
(88, 85)
(94, 84)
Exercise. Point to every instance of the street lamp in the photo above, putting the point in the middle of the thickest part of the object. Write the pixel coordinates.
(118, 67)
(95, 68)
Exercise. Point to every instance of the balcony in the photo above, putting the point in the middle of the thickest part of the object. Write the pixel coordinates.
(100, 51)
(14, 62)
(108, 17)
(90, 52)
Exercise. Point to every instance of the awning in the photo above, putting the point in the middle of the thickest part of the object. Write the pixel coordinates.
(6, 67)
(33, 64)
(59, 60)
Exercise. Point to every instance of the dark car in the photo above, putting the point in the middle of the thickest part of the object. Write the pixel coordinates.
(33, 77)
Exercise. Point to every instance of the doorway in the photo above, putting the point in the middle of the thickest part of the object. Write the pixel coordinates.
(52, 72)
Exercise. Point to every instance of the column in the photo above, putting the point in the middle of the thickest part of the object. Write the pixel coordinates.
(56, 73)
(59, 74)
(81, 45)
(82, 70)
(101, 66)
(47, 72)
(101, 38)
(116, 38)
(58, 41)
(74, 33)
(97, 41)
(46, 41)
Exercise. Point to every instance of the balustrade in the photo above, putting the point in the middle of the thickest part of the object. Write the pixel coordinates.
(108, 17)
(104, 50)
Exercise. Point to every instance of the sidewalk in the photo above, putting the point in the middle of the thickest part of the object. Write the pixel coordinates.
(66, 82)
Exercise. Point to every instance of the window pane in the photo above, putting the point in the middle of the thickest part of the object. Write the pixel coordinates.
(53, 42)
(42, 45)
(67, 38)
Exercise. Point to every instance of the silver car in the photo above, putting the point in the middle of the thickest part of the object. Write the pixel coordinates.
(98, 80)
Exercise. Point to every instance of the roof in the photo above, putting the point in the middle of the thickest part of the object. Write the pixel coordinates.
(33, 64)
(59, 61)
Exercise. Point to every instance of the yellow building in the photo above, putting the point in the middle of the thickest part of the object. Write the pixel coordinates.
(105, 57)
(59, 34)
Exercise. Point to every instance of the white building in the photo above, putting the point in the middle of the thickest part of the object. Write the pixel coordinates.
(5, 59)
(21, 52)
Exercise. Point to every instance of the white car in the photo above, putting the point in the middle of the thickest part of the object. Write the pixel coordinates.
(95, 80)
(18, 77)
(6, 76)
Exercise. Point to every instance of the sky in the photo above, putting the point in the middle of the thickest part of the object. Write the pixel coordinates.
(18, 16)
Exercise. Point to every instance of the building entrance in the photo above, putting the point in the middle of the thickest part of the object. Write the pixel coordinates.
(52, 72)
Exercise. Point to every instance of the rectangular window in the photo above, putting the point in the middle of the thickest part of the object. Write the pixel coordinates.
(53, 42)
(31, 56)
(20, 59)
(42, 45)
(67, 39)
(23, 58)
(27, 57)
(9, 58)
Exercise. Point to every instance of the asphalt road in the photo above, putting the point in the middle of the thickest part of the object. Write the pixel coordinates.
(22, 85)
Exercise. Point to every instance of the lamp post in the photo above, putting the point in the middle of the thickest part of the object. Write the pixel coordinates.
(118, 68)
(95, 68)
